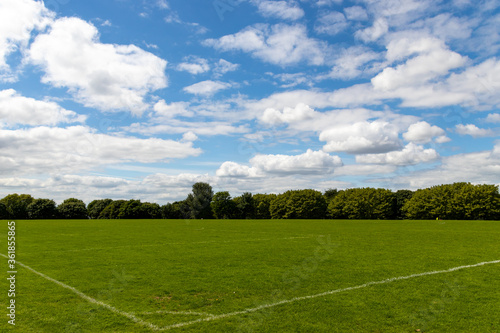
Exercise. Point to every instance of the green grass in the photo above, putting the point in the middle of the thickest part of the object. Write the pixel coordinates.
(226, 266)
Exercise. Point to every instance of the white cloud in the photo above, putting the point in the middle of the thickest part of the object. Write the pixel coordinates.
(280, 44)
(473, 130)
(422, 132)
(478, 167)
(481, 83)
(410, 155)
(19, 110)
(164, 110)
(285, 10)
(223, 67)
(289, 115)
(331, 23)
(207, 88)
(162, 4)
(354, 62)
(493, 118)
(380, 27)
(362, 138)
(431, 62)
(159, 125)
(52, 150)
(309, 163)
(189, 137)
(194, 65)
(18, 18)
(105, 76)
(356, 13)
(233, 169)
(364, 169)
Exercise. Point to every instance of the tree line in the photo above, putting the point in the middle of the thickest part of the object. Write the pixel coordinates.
(458, 201)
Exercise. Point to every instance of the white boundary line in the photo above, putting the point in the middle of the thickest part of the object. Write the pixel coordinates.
(185, 313)
(331, 292)
(90, 299)
(139, 321)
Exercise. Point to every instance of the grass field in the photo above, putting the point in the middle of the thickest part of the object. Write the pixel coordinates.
(254, 276)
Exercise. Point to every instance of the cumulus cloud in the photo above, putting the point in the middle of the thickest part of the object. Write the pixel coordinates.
(47, 149)
(309, 163)
(423, 132)
(479, 167)
(473, 130)
(105, 76)
(362, 138)
(286, 10)
(493, 118)
(18, 18)
(289, 115)
(194, 65)
(19, 110)
(410, 155)
(433, 60)
(207, 88)
(279, 44)
(380, 27)
(331, 23)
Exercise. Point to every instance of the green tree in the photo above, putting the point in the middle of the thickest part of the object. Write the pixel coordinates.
(17, 205)
(401, 197)
(299, 204)
(459, 201)
(330, 194)
(245, 206)
(171, 211)
(132, 209)
(199, 201)
(223, 207)
(72, 209)
(41, 209)
(152, 210)
(4, 213)
(362, 203)
(112, 210)
(262, 203)
(95, 207)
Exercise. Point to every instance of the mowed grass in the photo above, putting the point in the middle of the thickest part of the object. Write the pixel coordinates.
(167, 272)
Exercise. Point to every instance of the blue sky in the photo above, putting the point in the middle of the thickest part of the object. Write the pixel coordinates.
(137, 99)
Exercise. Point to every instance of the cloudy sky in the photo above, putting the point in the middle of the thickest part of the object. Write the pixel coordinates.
(140, 99)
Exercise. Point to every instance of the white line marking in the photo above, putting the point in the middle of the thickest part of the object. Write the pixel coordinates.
(331, 292)
(90, 299)
(187, 313)
(249, 310)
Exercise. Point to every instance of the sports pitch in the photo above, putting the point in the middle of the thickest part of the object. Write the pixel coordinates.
(255, 276)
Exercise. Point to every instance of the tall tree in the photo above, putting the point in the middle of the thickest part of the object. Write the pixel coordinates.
(41, 209)
(95, 207)
(112, 210)
(245, 206)
(301, 204)
(362, 203)
(199, 201)
(4, 213)
(72, 209)
(223, 207)
(262, 203)
(151, 210)
(17, 205)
